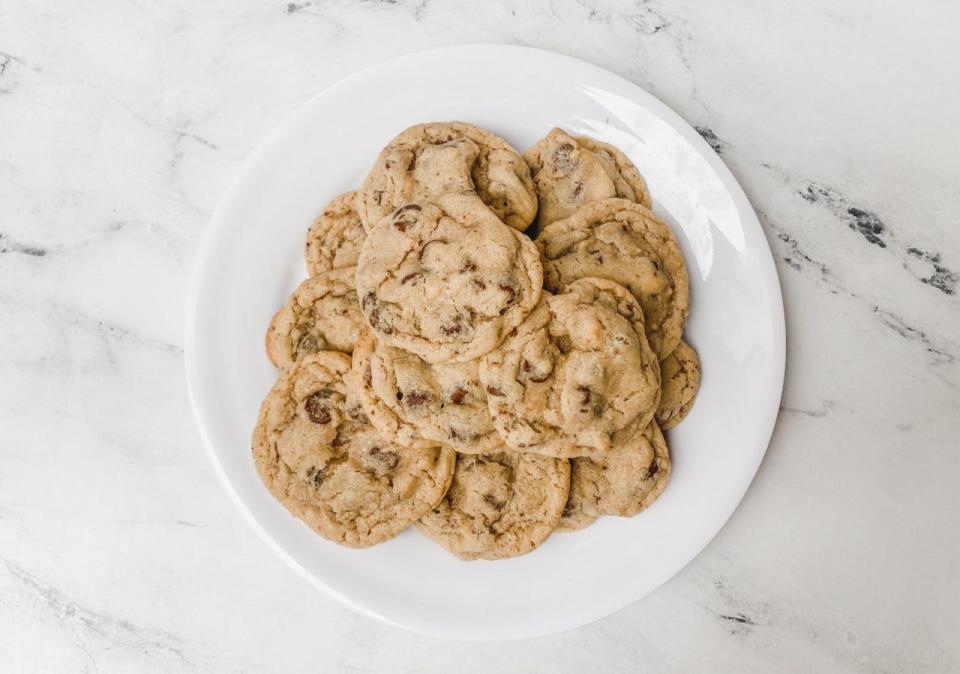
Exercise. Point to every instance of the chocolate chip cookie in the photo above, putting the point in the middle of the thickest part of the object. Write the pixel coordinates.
(322, 314)
(334, 240)
(569, 172)
(573, 518)
(625, 242)
(446, 281)
(320, 457)
(419, 404)
(499, 505)
(624, 481)
(574, 373)
(429, 160)
(680, 378)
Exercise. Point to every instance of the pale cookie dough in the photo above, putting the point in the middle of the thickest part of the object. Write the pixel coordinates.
(322, 314)
(320, 457)
(569, 172)
(334, 240)
(680, 377)
(625, 242)
(499, 505)
(417, 404)
(626, 480)
(574, 373)
(447, 281)
(429, 160)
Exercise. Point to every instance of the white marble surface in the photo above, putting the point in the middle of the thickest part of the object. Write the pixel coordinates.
(122, 121)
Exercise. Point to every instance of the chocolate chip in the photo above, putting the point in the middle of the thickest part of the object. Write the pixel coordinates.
(480, 285)
(511, 292)
(409, 208)
(452, 328)
(307, 345)
(317, 410)
(355, 412)
(412, 276)
(495, 391)
(564, 344)
(385, 459)
(369, 301)
(458, 396)
(653, 469)
(585, 395)
(423, 248)
(399, 395)
(468, 266)
(316, 476)
(416, 398)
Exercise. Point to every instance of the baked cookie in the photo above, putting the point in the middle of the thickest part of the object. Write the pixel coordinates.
(320, 457)
(625, 242)
(573, 518)
(418, 404)
(334, 240)
(447, 281)
(322, 314)
(576, 372)
(499, 505)
(624, 481)
(569, 172)
(429, 160)
(680, 380)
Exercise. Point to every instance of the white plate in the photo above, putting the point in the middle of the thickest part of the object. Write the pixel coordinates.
(251, 259)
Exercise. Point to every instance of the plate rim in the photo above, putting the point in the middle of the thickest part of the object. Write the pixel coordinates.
(216, 223)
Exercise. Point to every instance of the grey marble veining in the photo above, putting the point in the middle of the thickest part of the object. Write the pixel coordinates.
(122, 122)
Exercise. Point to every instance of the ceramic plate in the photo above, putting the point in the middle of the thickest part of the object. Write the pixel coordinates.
(251, 259)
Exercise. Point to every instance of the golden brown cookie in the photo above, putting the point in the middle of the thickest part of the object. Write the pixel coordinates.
(569, 172)
(446, 281)
(624, 481)
(320, 457)
(322, 314)
(429, 160)
(573, 518)
(625, 242)
(680, 380)
(419, 404)
(572, 375)
(499, 505)
(334, 240)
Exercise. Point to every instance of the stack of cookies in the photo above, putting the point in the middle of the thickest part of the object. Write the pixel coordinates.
(440, 367)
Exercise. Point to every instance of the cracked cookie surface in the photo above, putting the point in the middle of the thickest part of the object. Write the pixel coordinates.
(419, 404)
(626, 480)
(322, 314)
(499, 505)
(429, 160)
(572, 375)
(447, 281)
(680, 381)
(569, 172)
(335, 237)
(624, 242)
(321, 459)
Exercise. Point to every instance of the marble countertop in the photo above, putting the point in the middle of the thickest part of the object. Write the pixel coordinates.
(121, 122)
